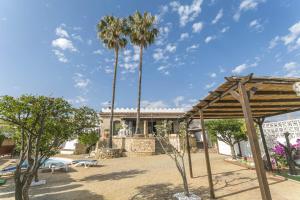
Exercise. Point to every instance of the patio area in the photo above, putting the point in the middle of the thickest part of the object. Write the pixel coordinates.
(154, 177)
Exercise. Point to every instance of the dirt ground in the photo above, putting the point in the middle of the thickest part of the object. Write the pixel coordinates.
(153, 177)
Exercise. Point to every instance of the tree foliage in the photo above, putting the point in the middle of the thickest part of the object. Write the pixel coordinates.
(42, 125)
(229, 131)
(141, 29)
(89, 138)
(112, 30)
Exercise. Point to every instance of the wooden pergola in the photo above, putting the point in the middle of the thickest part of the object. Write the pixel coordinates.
(252, 98)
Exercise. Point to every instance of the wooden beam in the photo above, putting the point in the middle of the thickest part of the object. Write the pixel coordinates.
(252, 106)
(239, 111)
(279, 100)
(270, 92)
(235, 95)
(205, 145)
(259, 122)
(261, 174)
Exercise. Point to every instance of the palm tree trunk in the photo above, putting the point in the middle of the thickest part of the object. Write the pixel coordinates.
(137, 129)
(113, 98)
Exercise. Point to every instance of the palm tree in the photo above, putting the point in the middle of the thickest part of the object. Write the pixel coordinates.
(142, 33)
(111, 30)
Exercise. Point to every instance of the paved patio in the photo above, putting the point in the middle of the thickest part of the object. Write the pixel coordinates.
(154, 177)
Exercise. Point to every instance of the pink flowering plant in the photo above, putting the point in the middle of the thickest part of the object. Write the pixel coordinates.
(279, 156)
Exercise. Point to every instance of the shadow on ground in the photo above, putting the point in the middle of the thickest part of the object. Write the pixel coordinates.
(115, 175)
(74, 195)
(164, 191)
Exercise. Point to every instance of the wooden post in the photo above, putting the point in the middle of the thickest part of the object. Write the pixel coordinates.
(260, 171)
(260, 122)
(205, 145)
(189, 149)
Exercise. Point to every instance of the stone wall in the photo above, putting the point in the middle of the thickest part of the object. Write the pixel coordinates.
(135, 145)
(140, 146)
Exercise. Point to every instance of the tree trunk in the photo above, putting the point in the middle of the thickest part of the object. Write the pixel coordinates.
(184, 179)
(240, 149)
(36, 176)
(289, 156)
(111, 127)
(18, 186)
(25, 189)
(233, 155)
(137, 129)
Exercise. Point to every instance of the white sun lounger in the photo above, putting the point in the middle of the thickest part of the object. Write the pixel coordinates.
(56, 166)
(86, 163)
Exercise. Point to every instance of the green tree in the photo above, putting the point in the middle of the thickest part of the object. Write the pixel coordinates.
(111, 30)
(6, 131)
(229, 131)
(43, 124)
(89, 139)
(142, 33)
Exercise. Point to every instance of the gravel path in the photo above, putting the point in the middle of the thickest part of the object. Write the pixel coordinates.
(153, 177)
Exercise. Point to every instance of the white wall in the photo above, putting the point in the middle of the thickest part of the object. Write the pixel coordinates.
(69, 147)
(245, 147)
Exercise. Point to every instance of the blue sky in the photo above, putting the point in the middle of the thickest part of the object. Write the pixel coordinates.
(51, 48)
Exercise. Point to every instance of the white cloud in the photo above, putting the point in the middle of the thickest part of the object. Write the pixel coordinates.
(210, 85)
(256, 25)
(291, 69)
(184, 36)
(197, 27)
(63, 44)
(177, 100)
(246, 5)
(131, 58)
(225, 29)
(240, 68)
(153, 104)
(218, 17)
(77, 37)
(60, 55)
(158, 54)
(213, 75)
(162, 11)
(274, 42)
(78, 100)
(163, 34)
(108, 70)
(209, 38)
(290, 66)
(192, 47)
(187, 13)
(171, 48)
(60, 32)
(291, 40)
(81, 82)
(89, 42)
(4, 19)
(99, 52)
(106, 104)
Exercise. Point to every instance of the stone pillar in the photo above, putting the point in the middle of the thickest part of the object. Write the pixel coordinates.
(145, 128)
